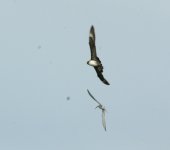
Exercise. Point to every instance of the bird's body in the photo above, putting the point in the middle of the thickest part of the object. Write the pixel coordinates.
(95, 61)
(100, 106)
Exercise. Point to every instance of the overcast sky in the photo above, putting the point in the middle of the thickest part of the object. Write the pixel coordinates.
(43, 59)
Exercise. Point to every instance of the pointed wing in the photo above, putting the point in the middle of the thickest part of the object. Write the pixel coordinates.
(93, 97)
(99, 71)
(100, 75)
(92, 45)
(103, 119)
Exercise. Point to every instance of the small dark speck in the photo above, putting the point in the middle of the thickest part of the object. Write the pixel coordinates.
(39, 47)
(68, 98)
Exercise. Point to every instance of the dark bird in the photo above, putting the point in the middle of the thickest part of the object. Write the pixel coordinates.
(101, 107)
(95, 61)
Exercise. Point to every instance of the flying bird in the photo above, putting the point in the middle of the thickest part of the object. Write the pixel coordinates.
(95, 61)
(101, 107)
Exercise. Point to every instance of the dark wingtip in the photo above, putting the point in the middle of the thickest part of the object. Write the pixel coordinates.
(92, 28)
(106, 82)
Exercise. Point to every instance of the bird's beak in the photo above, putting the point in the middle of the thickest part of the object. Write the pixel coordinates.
(96, 107)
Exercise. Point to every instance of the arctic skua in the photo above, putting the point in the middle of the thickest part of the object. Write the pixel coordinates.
(95, 61)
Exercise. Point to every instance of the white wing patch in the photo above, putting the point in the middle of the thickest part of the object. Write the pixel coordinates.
(91, 35)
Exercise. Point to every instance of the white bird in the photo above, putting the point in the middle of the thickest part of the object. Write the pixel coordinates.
(101, 107)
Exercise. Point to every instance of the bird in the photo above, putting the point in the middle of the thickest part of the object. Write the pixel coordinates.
(100, 106)
(95, 61)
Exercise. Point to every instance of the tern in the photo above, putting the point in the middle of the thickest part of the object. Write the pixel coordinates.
(101, 107)
(95, 61)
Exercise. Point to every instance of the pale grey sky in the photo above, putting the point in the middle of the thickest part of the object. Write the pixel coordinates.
(43, 54)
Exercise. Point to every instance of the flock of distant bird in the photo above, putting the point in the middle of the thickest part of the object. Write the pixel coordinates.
(96, 63)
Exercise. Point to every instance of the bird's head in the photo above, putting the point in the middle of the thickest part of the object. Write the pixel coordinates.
(99, 106)
(92, 63)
